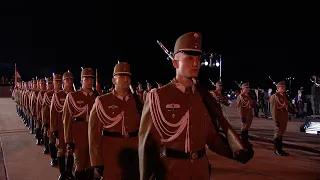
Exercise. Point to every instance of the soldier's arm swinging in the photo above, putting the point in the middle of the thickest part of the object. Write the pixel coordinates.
(67, 122)
(53, 118)
(95, 137)
(148, 145)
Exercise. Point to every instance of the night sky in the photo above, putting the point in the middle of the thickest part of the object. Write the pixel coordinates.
(255, 39)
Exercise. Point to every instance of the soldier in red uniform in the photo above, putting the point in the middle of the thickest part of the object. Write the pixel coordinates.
(75, 115)
(113, 129)
(56, 126)
(175, 122)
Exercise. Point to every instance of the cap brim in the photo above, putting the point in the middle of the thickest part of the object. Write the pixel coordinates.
(190, 51)
(122, 73)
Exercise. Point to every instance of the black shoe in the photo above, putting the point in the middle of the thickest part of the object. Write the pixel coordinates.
(54, 162)
(46, 150)
(38, 142)
(281, 152)
(63, 176)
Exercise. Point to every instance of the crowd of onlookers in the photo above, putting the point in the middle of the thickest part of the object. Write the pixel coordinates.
(6, 81)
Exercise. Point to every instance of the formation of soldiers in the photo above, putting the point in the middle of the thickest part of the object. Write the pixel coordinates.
(159, 133)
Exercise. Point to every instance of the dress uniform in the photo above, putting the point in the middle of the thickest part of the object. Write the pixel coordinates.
(113, 130)
(33, 104)
(218, 95)
(75, 115)
(244, 106)
(280, 115)
(50, 140)
(175, 123)
(56, 128)
(38, 120)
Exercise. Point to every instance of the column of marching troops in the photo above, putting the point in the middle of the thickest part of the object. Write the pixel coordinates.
(161, 133)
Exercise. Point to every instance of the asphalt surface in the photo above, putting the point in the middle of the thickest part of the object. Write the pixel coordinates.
(23, 160)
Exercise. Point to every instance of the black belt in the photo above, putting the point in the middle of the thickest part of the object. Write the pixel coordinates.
(118, 134)
(79, 119)
(182, 155)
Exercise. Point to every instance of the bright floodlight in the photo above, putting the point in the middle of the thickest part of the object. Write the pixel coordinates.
(217, 64)
(206, 63)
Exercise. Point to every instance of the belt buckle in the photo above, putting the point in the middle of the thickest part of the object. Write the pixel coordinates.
(194, 155)
(126, 135)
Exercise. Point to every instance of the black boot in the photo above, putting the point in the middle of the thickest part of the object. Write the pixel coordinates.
(70, 161)
(38, 136)
(89, 174)
(46, 144)
(53, 154)
(244, 136)
(278, 147)
(80, 175)
(283, 152)
(62, 168)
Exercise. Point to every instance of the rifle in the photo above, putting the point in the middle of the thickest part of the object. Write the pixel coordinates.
(315, 81)
(240, 153)
(291, 108)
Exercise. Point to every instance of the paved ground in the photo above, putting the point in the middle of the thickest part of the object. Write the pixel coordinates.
(23, 160)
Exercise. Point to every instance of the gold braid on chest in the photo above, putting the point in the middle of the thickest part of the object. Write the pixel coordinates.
(46, 100)
(244, 103)
(160, 122)
(279, 104)
(75, 110)
(56, 103)
(106, 120)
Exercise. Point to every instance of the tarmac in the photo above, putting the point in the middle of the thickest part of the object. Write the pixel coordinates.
(22, 159)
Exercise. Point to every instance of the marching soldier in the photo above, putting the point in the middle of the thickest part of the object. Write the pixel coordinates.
(113, 129)
(75, 115)
(280, 115)
(218, 95)
(146, 91)
(49, 138)
(140, 91)
(33, 104)
(56, 126)
(244, 106)
(39, 100)
(176, 123)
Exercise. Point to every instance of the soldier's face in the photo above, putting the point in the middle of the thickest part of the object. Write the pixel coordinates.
(43, 86)
(87, 82)
(245, 90)
(218, 87)
(68, 82)
(187, 65)
(49, 86)
(282, 89)
(57, 84)
(122, 81)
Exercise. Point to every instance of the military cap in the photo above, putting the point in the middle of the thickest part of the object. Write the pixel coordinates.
(67, 75)
(41, 81)
(281, 83)
(219, 83)
(87, 72)
(49, 79)
(121, 68)
(245, 85)
(57, 77)
(189, 42)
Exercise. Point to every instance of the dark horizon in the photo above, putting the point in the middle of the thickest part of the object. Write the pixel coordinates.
(256, 40)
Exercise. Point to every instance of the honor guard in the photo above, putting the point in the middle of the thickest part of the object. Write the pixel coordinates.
(140, 91)
(75, 115)
(176, 124)
(49, 139)
(113, 129)
(148, 89)
(56, 127)
(244, 106)
(39, 100)
(33, 104)
(218, 95)
(280, 115)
